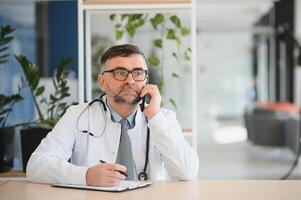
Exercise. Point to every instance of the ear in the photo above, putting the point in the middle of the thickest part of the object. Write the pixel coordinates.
(101, 82)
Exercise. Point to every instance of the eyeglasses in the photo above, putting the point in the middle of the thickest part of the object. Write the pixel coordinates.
(121, 74)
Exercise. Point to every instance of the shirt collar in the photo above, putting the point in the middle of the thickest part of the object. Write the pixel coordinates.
(116, 117)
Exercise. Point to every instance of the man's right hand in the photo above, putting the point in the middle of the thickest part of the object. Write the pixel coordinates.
(105, 175)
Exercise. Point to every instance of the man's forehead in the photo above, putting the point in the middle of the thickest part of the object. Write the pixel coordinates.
(133, 61)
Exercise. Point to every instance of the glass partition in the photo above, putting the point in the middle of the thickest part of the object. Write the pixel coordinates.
(165, 43)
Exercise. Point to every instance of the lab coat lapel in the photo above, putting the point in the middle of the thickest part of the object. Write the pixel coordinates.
(111, 131)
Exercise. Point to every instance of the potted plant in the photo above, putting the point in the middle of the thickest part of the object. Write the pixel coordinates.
(55, 105)
(7, 133)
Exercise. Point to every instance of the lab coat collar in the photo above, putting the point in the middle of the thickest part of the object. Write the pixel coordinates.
(139, 118)
(117, 118)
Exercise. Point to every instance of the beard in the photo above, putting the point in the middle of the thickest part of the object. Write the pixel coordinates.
(126, 94)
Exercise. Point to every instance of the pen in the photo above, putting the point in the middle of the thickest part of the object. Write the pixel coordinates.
(116, 170)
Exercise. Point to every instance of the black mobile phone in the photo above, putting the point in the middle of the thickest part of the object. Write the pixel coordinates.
(142, 105)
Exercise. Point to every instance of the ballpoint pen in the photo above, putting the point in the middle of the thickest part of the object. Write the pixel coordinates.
(115, 170)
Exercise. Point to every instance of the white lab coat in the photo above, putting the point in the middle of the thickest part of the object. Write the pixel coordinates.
(170, 156)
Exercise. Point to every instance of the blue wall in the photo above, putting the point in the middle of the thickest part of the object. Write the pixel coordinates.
(62, 26)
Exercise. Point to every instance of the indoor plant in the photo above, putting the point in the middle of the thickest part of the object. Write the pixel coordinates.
(7, 133)
(55, 105)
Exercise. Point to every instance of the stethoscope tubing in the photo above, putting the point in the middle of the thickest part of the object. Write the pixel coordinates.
(142, 175)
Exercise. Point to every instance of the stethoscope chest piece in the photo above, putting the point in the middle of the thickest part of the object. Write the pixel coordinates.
(142, 176)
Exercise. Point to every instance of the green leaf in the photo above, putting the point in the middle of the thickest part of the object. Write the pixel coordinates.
(171, 34)
(112, 17)
(53, 98)
(158, 43)
(63, 68)
(6, 111)
(5, 40)
(117, 26)
(3, 61)
(118, 34)
(30, 70)
(184, 31)
(123, 16)
(40, 90)
(153, 61)
(186, 56)
(4, 49)
(137, 16)
(173, 103)
(34, 81)
(131, 30)
(176, 20)
(153, 23)
(6, 30)
(189, 49)
(4, 56)
(174, 55)
(140, 22)
(16, 97)
(158, 19)
(175, 75)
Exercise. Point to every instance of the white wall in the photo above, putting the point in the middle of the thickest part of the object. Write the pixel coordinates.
(297, 77)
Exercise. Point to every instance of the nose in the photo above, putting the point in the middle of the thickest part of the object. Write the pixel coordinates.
(129, 79)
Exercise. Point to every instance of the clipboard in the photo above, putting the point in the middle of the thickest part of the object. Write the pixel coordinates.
(121, 187)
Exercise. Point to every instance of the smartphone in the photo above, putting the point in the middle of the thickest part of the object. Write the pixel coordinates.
(142, 105)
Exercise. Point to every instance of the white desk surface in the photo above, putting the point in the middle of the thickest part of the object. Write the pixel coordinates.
(190, 190)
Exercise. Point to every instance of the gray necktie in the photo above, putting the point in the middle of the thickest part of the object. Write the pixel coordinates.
(125, 156)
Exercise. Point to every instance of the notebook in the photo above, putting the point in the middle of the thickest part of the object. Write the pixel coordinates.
(122, 186)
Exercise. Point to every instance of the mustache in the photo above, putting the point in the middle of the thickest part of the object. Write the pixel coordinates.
(129, 88)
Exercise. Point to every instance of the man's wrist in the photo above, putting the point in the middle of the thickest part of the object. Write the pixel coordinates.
(152, 114)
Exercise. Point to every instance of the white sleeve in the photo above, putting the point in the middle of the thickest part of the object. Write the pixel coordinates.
(181, 162)
(49, 162)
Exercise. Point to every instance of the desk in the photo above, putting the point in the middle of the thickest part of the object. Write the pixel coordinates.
(198, 190)
(2, 182)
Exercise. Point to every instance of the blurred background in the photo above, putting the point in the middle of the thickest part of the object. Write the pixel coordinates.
(245, 77)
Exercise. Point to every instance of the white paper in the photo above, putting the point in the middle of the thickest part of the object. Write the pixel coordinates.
(122, 186)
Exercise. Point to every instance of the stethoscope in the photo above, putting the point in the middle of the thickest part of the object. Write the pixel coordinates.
(142, 175)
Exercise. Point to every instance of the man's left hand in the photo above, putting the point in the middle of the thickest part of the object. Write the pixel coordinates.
(155, 100)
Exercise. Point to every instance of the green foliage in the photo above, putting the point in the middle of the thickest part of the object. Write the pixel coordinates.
(55, 103)
(6, 102)
(127, 23)
(153, 60)
(176, 21)
(173, 103)
(158, 43)
(169, 27)
(5, 39)
(175, 75)
(157, 20)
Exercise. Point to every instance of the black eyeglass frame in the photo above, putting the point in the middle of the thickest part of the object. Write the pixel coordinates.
(128, 72)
